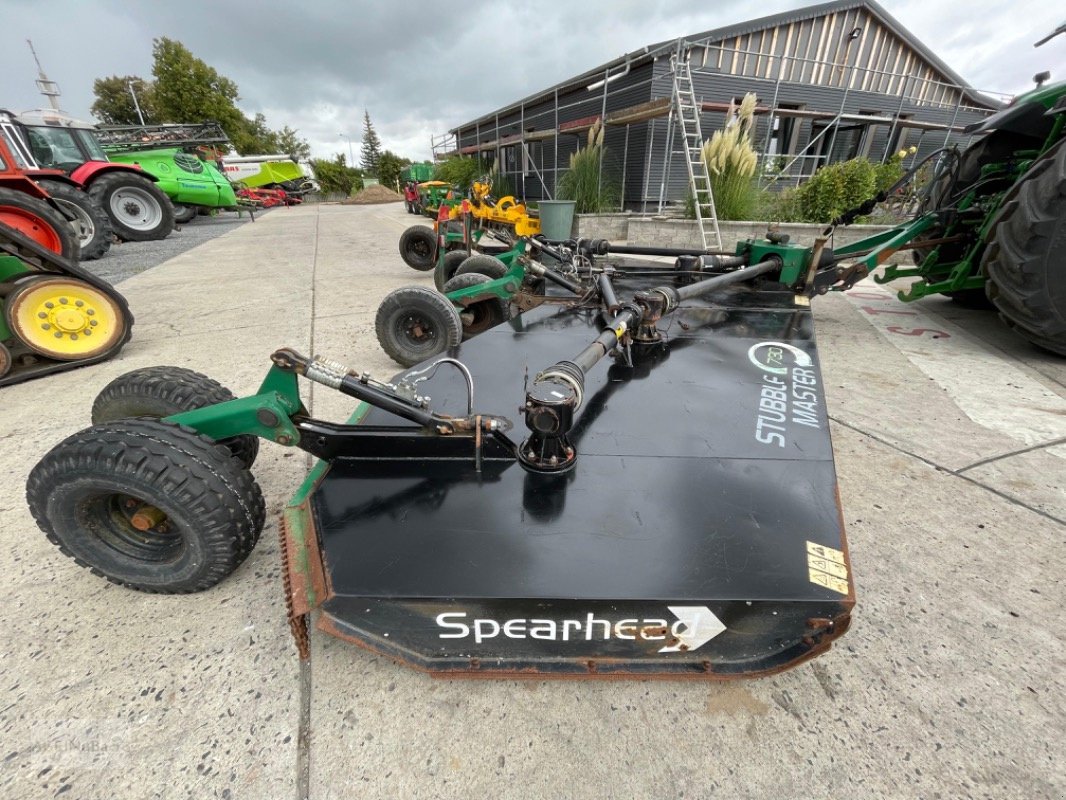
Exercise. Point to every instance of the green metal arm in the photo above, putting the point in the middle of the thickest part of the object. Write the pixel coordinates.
(266, 414)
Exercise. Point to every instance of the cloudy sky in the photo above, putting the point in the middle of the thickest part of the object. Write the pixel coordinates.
(421, 68)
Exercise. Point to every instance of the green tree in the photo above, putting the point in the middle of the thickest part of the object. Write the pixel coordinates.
(255, 137)
(390, 166)
(460, 171)
(290, 143)
(334, 175)
(114, 103)
(370, 152)
(187, 89)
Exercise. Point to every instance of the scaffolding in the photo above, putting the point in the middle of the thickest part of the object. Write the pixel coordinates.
(791, 141)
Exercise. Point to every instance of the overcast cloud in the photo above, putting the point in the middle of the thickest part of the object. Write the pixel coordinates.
(422, 68)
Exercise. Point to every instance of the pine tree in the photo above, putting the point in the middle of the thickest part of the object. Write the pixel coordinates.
(370, 153)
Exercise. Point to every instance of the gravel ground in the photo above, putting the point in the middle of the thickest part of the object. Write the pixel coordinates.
(126, 259)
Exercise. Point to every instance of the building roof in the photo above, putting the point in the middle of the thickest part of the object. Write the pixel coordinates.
(730, 31)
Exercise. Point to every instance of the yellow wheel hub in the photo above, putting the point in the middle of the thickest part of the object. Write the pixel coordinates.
(64, 318)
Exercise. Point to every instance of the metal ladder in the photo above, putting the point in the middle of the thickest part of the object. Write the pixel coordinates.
(687, 114)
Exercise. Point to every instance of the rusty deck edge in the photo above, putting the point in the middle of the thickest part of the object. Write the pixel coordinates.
(327, 625)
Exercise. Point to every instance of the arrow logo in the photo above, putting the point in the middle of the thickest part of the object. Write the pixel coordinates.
(773, 360)
(700, 626)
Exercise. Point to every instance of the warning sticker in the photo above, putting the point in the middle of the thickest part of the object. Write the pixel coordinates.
(827, 567)
(829, 581)
(821, 551)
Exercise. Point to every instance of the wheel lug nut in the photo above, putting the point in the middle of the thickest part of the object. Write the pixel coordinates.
(63, 301)
(42, 315)
(90, 312)
(93, 322)
(79, 303)
(59, 335)
(49, 304)
(46, 327)
(73, 337)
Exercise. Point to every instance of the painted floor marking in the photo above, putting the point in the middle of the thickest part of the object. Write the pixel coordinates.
(988, 389)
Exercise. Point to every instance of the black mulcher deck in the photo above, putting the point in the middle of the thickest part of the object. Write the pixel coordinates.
(699, 532)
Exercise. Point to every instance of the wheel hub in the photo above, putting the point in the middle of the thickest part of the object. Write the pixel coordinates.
(417, 329)
(63, 317)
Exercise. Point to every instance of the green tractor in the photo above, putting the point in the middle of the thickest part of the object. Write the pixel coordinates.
(184, 158)
(992, 222)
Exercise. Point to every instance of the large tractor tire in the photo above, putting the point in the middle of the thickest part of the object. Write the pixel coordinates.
(414, 324)
(64, 318)
(418, 248)
(91, 225)
(1025, 262)
(39, 222)
(480, 316)
(148, 505)
(162, 392)
(138, 209)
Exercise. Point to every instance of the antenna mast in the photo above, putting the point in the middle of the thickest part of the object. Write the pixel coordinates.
(49, 89)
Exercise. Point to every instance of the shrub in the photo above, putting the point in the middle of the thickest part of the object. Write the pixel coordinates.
(731, 160)
(460, 171)
(334, 175)
(835, 188)
(778, 206)
(583, 182)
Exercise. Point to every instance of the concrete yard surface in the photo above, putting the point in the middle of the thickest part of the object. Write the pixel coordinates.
(950, 440)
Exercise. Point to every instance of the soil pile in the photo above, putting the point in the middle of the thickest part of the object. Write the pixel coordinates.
(373, 194)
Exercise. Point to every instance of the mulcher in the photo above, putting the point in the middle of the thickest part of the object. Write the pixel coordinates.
(675, 513)
(672, 513)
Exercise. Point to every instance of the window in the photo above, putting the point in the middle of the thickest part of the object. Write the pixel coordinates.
(510, 159)
(54, 148)
(784, 132)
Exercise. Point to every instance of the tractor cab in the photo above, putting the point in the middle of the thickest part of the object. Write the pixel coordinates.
(59, 141)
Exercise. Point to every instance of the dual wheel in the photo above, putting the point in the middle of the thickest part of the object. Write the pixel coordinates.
(91, 226)
(147, 504)
(415, 323)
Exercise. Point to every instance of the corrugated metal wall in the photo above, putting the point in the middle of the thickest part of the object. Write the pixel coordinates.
(845, 62)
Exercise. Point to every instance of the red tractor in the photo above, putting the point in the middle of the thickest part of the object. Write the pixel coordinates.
(91, 227)
(137, 208)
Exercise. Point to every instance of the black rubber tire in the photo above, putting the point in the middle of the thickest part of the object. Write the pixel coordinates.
(162, 391)
(1025, 261)
(96, 240)
(483, 264)
(184, 213)
(480, 316)
(103, 187)
(60, 227)
(418, 248)
(445, 270)
(414, 324)
(81, 492)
